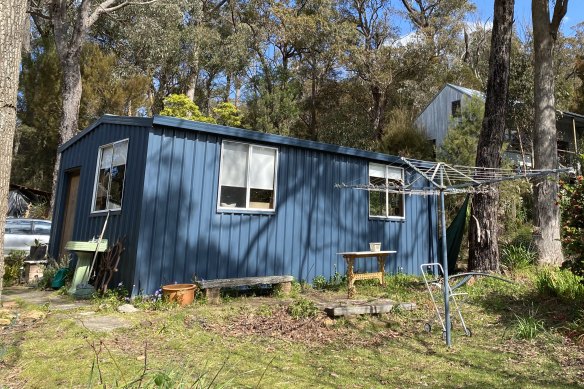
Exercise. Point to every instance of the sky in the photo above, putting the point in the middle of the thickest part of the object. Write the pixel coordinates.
(574, 16)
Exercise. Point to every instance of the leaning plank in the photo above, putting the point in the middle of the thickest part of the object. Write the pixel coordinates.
(247, 281)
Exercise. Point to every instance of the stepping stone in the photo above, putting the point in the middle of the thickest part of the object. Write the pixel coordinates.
(127, 308)
(104, 323)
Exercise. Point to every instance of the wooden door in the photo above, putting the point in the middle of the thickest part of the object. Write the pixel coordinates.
(72, 179)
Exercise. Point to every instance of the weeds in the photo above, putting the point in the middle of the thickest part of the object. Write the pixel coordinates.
(560, 283)
(336, 281)
(515, 257)
(528, 327)
(14, 265)
(302, 308)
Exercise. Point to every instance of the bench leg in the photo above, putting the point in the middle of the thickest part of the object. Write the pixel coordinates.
(284, 287)
(213, 295)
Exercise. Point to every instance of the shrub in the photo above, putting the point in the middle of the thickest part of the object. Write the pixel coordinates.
(572, 204)
(319, 282)
(302, 308)
(560, 283)
(516, 257)
(14, 263)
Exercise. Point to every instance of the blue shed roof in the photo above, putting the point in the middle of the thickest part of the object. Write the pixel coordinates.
(167, 121)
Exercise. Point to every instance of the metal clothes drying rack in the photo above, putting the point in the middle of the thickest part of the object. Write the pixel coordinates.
(446, 179)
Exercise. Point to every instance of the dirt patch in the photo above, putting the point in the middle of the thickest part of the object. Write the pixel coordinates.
(279, 324)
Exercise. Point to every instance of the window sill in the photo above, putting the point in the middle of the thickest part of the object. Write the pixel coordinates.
(388, 218)
(247, 211)
(103, 213)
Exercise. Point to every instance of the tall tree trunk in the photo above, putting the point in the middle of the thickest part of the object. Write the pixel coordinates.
(71, 98)
(377, 111)
(483, 242)
(545, 193)
(313, 114)
(12, 19)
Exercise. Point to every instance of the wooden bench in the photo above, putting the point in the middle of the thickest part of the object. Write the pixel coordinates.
(213, 287)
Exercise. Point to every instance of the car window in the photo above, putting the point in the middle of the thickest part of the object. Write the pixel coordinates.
(23, 227)
(42, 228)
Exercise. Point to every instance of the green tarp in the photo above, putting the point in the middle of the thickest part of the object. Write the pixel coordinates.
(454, 234)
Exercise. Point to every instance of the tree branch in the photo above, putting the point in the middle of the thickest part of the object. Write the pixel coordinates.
(560, 10)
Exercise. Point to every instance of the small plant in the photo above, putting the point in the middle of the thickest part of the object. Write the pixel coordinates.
(112, 298)
(560, 283)
(528, 327)
(319, 282)
(264, 311)
(335, 281)
(516, 257)
(13, 269)
(154, 302)
(302, 308)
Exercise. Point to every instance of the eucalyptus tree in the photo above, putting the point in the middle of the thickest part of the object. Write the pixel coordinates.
(12, 24)
(70, 22)
(483, 226)
(547, 212)
(370, 57)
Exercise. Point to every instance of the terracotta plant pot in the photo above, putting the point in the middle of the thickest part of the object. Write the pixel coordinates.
(183, 294)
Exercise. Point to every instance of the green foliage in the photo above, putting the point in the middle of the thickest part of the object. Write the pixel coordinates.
(302, 308)
(227, 114)
(181, 106)
(336, 281)
(109, 88)
(560, 283)
(401, 137)
(264, 310)
(13, 264)
(572, 232)
(528, 327)
(515, 257)
(112, 298)
(154, 302)
(39, 107)
(274, 111)
(319, 282)
(460, 144)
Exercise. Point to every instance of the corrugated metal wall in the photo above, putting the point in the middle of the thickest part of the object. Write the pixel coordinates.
(183, 235)
(434, 120)
(83, 154)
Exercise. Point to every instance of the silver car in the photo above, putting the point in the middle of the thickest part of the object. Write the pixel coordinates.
(20, 234)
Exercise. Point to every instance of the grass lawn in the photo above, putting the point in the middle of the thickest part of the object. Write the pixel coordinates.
(520, 339)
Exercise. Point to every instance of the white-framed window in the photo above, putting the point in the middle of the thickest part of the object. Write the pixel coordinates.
(108, 190)
(383, 202)
(247, 177)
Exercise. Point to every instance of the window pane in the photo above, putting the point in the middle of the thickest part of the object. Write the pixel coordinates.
(261, 199)
(120, 153)
(117, 187)
(234, 165)
(377, 198)
(106, 157)
(395, 174)
(232, 197)
(263, 162)
(101, 190)
(376, 170)
(396, 204)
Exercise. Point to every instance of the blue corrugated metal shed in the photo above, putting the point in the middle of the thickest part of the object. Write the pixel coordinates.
(174, 230)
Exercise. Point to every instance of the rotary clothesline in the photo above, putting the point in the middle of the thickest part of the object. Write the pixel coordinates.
(446, 179)
(449, 179)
